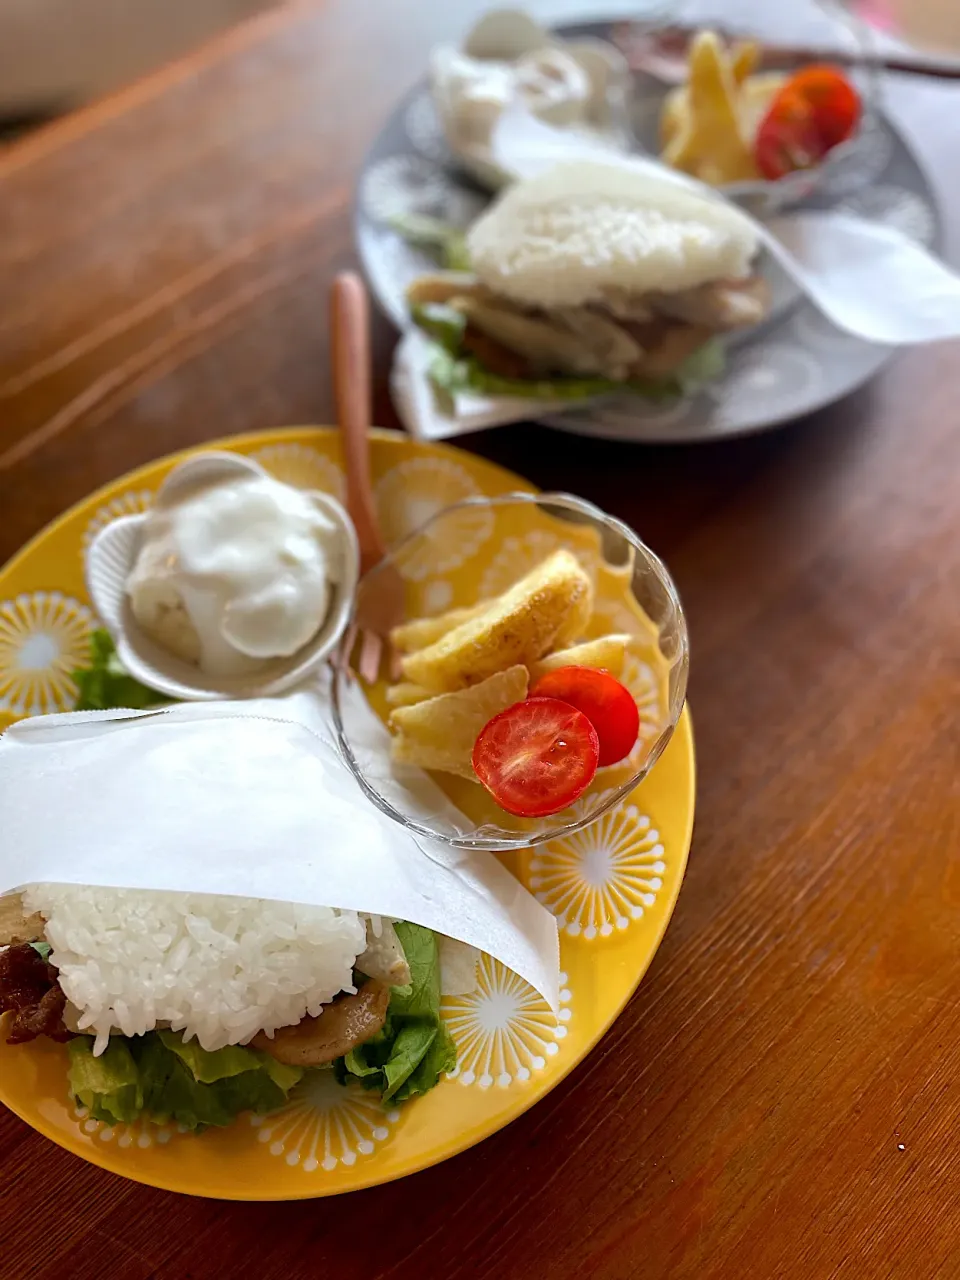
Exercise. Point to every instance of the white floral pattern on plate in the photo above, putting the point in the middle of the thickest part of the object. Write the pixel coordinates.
(424, 128)
(412, 493)
(44, 636)
(759, 379)
(870, 156)
(641, 680)
(603, 877)
(896, 207)
(437, 596)
(143, 1134)
(505, 1031)
(812, 329)
(302, 467)
(406, 184)
(616, 615)
(617, 416)
(133, 503)
(518, 555)
(325, 1124)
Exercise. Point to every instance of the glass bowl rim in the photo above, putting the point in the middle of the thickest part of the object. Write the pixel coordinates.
(616, 794)
(770, 195)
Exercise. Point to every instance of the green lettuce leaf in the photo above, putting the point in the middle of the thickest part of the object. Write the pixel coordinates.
(440, 1058)
(706, 364)
(106, 684)
(209, 1067)
(42, 949)
(110, 1085)
(451, 370)
(450, 373)
(161, 1077)
(449, 243)
(413, 1049)
(444, 324)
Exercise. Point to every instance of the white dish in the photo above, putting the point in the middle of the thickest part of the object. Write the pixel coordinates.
(111, 558)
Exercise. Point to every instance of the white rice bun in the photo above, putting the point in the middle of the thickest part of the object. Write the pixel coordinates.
(585, 227)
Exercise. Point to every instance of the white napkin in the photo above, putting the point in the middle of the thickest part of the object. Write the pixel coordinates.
(249, 799)
(871, 280)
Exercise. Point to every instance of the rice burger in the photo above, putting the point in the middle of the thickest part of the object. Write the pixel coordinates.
(192, 1008)
(590, 278)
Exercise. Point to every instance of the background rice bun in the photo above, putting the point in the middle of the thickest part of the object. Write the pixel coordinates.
(584, 227)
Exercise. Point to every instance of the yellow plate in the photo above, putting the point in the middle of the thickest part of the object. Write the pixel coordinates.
(612, 886)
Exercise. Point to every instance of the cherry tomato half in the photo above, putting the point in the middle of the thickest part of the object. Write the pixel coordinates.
(607, 704)
(536, 757)
(816, 109)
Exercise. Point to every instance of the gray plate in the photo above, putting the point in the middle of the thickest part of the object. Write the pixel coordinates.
(794, 363)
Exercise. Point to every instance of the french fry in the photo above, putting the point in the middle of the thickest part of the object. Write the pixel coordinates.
(674, 115)
(606, 653)
(711, 145)
(744, 56)
(440, 733)
(675, 111)
(546, 609)
(422, 632)
(407, 694)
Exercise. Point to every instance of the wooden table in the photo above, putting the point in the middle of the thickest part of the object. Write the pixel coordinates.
(782, 1096)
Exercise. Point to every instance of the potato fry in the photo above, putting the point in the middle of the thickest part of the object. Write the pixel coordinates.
(440, 733)
(406, 694)
(744, 56)
(422, 632)
(711, 146)
(607, 653)
(548, 608)
(755, 97)
(674, 115)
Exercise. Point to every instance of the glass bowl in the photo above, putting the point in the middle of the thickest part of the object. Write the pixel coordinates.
(654, 46)
(474, 550)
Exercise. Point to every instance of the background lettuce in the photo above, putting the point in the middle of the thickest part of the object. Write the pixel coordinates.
(105, 684)
(451, 372)
(447, 242)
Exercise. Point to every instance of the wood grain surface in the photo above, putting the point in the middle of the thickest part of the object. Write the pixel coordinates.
(782, 1096)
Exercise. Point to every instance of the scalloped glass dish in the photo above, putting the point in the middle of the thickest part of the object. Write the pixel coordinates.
(633, 594)
(834, 27)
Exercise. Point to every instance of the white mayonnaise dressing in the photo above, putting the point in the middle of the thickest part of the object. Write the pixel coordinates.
(233, 573)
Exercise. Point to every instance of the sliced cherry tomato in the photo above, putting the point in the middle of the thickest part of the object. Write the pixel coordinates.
(536, 757)
(817, 109)
(607, 704)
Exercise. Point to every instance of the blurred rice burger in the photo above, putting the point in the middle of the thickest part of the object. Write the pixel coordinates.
(591, 278)
(191, 1008)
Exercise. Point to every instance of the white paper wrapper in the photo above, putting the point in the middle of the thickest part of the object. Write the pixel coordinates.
(249, 799)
